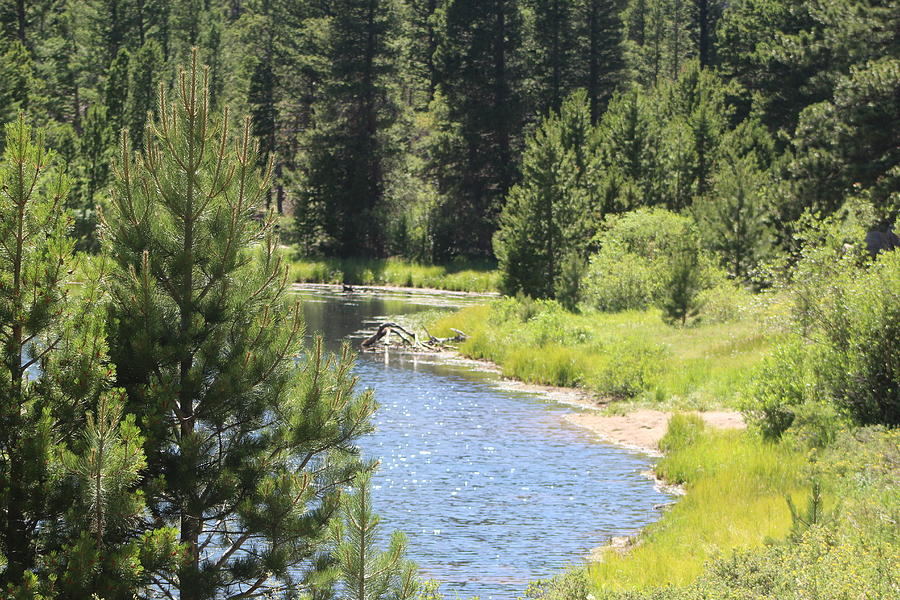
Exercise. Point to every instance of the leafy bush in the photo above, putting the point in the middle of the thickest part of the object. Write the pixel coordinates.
(617, 280)
(724, 302)
(842, 359)
(649, 257)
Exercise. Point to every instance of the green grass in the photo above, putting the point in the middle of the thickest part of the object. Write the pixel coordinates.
(729, 537)
(628, 356)
(736, 485)
(464, 276)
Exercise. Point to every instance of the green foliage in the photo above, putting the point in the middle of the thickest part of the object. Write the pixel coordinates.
(246, 448)
(648, 257)
(546, 216)
(840, 362)
(364, 572)
(623, 355)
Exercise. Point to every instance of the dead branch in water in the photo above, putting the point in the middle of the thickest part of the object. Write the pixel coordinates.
(429, 343)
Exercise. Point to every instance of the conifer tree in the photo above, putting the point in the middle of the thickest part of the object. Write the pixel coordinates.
(350, 151)
(54, 372)
(144, 75)
(600, 60)
(364, 572)
(34, 253)
(733, 218)
(554, 45)
(480, 63)
(246, 449)
(547, 216)
(684, 279)
(115, 90)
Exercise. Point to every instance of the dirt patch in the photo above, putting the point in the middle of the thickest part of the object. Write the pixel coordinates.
(642, 429)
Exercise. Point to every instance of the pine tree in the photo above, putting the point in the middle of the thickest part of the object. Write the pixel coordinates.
(54, 372)
(144, 75)
(553, 49)
(600, 60)
(684, 280)
(364, 572)
(115, 90)
(629, 152)
(733, 218)
(34, 252)
(103, 470)
(479, 61)
(95, 152)
(350, 153)
(15, 80)
(246, 449)
(546, 217)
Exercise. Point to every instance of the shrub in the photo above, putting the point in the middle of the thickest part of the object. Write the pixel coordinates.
(842, 359)
(723, 302)
(618, 280)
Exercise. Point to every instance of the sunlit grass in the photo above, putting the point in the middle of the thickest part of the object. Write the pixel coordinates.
(736, 485)
(631, 356)
(463, 276)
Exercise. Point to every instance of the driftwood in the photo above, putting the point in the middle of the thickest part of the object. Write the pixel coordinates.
(428, 343)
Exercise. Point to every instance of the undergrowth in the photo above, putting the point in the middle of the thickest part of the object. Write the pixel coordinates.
(630, 355)
(463, 276)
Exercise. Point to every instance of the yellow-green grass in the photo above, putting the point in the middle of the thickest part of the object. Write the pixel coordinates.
(736, 485)
(463, 276)
(629, 355)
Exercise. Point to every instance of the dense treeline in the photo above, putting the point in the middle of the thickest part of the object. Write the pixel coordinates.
(397, 127)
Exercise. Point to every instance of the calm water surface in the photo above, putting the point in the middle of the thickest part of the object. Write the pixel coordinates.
(492, 486)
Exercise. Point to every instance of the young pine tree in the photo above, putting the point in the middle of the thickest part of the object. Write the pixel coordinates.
(547, 215)
(34, 256)
(247, 446)
(53, 373)
(684, 280)
(733, 219)
(364, 572)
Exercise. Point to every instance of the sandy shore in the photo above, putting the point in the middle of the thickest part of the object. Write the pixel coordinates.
(642, 429)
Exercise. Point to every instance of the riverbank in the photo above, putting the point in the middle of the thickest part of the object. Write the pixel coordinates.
(734, 534)
(459, 276)
(631, 357)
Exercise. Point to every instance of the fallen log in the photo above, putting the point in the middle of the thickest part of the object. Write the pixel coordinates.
(409, 339)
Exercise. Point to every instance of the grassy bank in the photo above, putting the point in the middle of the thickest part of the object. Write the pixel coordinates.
(733, 536)
(628, 355)
(464, 276)
(736, 486)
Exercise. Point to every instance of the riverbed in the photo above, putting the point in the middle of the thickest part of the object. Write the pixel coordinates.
(493, 487)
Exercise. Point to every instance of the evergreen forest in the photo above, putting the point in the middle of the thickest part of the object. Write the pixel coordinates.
(681, 205)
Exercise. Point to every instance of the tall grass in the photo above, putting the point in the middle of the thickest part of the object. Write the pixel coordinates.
(736, 485)
(467, 276)
(627, 355)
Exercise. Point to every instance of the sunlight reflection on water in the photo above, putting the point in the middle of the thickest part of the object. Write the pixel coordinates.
(492, 486)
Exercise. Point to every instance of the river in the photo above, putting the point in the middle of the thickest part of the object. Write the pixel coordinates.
(492, 486)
